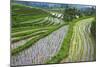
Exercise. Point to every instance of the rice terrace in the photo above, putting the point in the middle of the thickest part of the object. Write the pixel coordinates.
(51, 33)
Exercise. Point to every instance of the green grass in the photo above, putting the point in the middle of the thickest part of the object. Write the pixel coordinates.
(18, 19)
(21, 13)
(30, 31)
(39, 23)
(26, 23)
(15, 39)
(18, 29)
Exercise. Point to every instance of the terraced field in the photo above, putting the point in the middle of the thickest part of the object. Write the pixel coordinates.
(34, 41)
(42, 50)
(39, 37)
(82, 45)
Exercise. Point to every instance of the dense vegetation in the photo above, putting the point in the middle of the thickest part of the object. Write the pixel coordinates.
(74, 13)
